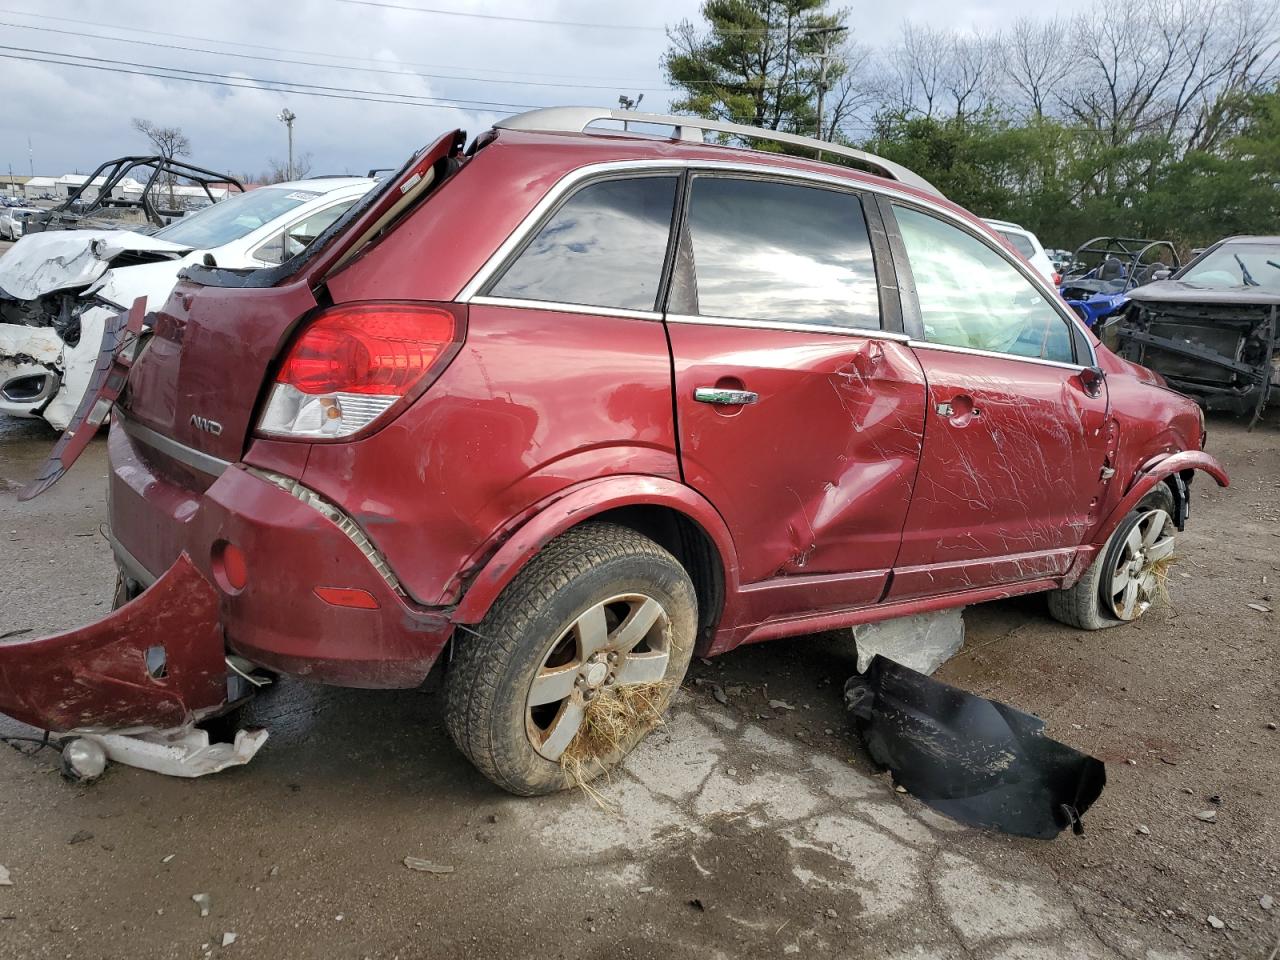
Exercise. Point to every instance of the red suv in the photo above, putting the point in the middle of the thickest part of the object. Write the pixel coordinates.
(576, 404)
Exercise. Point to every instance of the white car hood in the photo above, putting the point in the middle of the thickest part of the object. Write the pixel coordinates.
(42, 263)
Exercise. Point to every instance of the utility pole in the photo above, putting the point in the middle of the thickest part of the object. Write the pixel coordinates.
(31, 163)
(287, 117)
(824, 58)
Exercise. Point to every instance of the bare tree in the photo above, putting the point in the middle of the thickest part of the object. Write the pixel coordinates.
(972, 73)
(1034, 63)
(169, 142)
(278, 170)
(854, 95)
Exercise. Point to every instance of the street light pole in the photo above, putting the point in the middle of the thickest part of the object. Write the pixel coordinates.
(287, 117)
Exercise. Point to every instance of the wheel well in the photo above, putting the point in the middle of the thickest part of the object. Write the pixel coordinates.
(689, 544)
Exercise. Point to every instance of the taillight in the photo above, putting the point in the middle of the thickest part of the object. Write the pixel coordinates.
(352, 363)
(1057, 279)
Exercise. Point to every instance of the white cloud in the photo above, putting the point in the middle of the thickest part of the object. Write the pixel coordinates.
(76, 118)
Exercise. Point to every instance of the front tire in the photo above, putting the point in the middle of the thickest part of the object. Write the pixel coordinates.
(1123, 582)
(600, 607)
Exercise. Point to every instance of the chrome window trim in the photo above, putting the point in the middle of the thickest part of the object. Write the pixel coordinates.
(872, 332)
(206, 463)
(557, 306)
(994, 354)
(762, 167)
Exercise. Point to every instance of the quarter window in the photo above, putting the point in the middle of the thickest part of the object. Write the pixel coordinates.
(604, 247)
(764, 250)
(970, 296)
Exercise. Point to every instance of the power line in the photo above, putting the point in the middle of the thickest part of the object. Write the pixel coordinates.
(644, 27)
(494, 16)
(312, 63)
(286, 83)
(308, 53)
(257, 84)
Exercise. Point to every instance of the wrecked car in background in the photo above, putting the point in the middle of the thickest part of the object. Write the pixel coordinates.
(1211, 329)
(577, 406)
(1105, 269)
(58, 288)
(113, 196)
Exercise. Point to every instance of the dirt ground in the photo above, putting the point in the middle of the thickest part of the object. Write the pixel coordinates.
(735, 831)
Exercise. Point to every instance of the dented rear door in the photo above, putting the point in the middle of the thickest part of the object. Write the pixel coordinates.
(800, 417)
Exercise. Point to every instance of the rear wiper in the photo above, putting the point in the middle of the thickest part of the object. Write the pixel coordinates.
(1248, 277)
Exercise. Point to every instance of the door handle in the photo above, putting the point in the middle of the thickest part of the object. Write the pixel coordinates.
(959, 409)
(723, 397)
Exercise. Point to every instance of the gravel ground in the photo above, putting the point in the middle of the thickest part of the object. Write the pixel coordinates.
(734, 831)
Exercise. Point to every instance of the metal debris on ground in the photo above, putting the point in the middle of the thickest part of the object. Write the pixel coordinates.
(978, 761)
(1261, 608)
(4, 878)
(426, 866)
(203, 901)
(229, 938)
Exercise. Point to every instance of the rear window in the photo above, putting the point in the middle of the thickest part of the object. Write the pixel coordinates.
(1021, 242)
(604, 247)
(782, 252)
(234, 217)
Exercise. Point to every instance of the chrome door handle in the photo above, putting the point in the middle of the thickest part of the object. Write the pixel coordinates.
(725, 398)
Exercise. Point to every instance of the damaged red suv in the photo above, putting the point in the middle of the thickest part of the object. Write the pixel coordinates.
(575, 404)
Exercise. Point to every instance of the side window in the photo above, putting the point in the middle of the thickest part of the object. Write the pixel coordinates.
(970, 296)
(604, 247)
(301, 235)
(764, 250)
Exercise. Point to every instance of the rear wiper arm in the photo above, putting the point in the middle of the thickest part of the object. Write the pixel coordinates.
(1248, 277)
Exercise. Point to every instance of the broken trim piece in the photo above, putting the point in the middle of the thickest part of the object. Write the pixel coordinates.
(978, 761)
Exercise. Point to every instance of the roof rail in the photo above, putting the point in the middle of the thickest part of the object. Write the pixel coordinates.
(578, 119)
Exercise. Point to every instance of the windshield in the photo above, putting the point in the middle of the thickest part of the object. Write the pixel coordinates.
(1020, 242)
(234, 218)
(1239, 265)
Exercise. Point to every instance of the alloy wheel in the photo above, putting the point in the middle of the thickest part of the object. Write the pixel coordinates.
(623, 640)
(1134, 583)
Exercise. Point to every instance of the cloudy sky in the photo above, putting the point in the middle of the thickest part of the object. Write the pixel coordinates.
(492, 61)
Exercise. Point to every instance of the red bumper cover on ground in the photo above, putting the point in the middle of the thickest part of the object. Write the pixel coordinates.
(154, 662)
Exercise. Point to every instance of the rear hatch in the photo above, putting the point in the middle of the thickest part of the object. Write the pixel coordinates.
(205, 365)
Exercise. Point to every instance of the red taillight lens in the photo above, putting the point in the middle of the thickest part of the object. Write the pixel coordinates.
(1057, 279)
(351, 363)
(377, 348)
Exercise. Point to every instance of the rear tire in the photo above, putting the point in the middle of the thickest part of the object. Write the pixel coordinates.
(1118, 586)
(598, 605)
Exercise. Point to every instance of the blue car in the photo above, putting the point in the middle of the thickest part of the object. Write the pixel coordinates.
(1105, 269)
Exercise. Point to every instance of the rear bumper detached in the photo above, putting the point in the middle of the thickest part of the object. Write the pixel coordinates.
(292, 546)
(156, 663)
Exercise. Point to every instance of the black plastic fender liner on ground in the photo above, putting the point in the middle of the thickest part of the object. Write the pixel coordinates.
(978, 761)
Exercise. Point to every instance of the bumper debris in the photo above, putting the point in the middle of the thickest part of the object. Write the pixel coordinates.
(156, 663)
(975, 760)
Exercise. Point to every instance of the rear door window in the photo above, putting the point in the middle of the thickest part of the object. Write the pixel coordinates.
(783, 252)
(971, 296)
(1021, 242)
(604, 247)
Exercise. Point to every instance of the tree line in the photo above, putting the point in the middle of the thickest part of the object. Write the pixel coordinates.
(1134, 117)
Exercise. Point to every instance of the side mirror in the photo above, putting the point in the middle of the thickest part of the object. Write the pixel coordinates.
(1092, 378)
(1162, 275)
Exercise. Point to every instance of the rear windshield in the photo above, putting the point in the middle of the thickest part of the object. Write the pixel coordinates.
(1020, 242)
(1239, 265)
(234, 217)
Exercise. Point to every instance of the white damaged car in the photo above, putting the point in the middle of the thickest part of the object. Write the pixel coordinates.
(58, 288)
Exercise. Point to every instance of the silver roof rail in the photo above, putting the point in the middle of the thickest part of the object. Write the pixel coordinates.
(578, 119)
